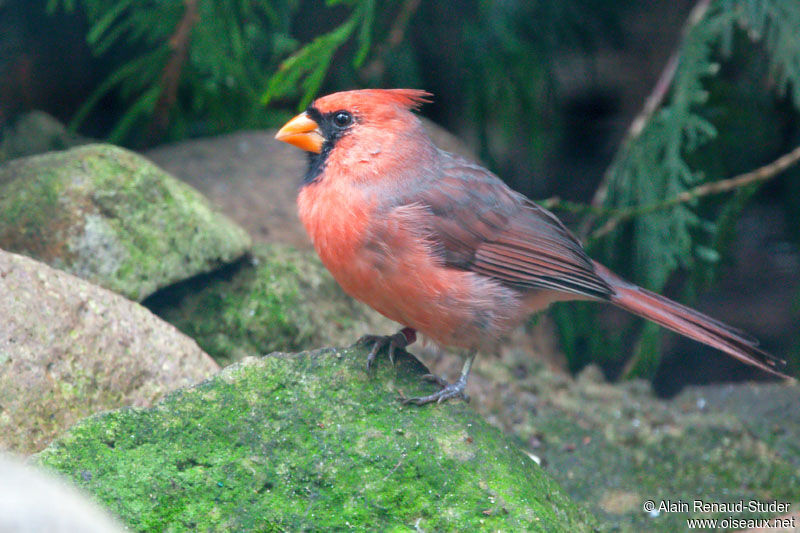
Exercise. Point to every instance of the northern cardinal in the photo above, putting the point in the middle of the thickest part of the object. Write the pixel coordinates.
(442, 245)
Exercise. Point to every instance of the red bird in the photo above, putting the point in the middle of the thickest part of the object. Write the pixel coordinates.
(442, 246)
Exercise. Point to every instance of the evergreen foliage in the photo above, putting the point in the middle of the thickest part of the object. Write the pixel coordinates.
(306, 68)
(231, 50)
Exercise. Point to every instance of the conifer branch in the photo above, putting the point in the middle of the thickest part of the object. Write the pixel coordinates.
(764, 173)
(171, 74)
(618, 216)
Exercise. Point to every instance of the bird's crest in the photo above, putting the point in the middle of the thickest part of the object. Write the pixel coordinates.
(411, 99)
(408, 98)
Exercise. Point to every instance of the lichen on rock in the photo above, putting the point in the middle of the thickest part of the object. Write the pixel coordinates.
(113, 218)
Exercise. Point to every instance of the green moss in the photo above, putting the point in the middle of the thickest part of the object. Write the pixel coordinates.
(281, 299)
(112, 217)
(310, 442)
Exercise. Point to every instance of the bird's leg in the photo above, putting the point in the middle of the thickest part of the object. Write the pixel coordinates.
(399, 340)
(449, 390)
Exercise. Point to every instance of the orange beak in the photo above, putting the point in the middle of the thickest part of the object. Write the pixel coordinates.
(302, 132)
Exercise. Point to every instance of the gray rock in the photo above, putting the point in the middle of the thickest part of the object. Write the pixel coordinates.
(69, 349)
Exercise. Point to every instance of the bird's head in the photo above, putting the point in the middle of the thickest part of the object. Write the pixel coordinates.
(363, 131)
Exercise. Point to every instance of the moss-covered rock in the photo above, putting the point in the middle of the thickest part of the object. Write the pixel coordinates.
(280, 299)
(310, 441)
(111, 217)
(69, 349)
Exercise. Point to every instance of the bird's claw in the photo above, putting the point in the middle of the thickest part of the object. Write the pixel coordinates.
(399, 340)
(378, 343)
(447, 392)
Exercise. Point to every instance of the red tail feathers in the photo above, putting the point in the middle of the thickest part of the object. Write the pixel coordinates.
(689, 322)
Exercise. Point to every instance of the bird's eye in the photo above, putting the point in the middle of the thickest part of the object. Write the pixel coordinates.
(342, 119)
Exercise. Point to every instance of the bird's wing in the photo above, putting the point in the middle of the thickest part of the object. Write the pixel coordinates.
(477, 223)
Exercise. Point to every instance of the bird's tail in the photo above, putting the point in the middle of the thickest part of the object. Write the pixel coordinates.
(689, 322)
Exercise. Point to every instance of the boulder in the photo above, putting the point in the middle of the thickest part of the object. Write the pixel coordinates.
(69, 349)
(310, 441)
(34, 133)
(113, 218)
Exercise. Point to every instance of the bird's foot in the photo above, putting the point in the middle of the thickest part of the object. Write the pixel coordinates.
(399, 340)
(448, 391)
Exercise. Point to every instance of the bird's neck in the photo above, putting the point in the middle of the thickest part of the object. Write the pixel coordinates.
(336, 217)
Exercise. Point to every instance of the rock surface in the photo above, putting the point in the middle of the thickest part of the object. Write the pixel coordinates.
(111, 217)
(280, 299)
(310, 441)
(69, 349)
(33, 502)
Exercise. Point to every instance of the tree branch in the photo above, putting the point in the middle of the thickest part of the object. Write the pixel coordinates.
(764, 173)
(171, 74)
